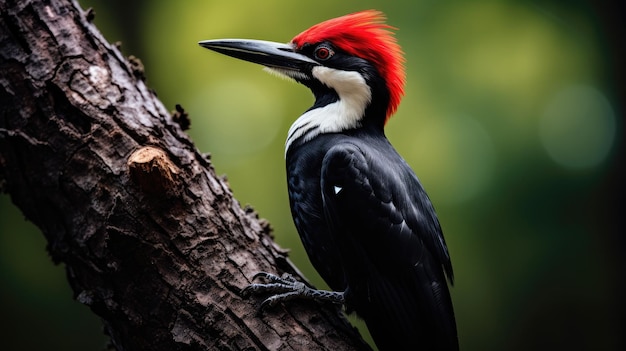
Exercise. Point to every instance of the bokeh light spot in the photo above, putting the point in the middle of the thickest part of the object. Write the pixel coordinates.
(577, 128)
(240, 116)
(460, 154)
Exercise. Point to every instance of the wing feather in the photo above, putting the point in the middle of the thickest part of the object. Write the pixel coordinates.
(392, 248)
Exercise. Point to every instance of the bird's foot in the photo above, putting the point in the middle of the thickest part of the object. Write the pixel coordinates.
(287, 288)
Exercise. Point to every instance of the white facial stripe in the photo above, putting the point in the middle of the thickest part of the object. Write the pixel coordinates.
(284, 73)
(354, 96)
(351, 88)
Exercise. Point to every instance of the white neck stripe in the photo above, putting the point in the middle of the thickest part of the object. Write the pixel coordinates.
(343, 114)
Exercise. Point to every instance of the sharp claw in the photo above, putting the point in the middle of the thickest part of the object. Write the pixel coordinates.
(286, 288)
(260, 274)
(252, 287)
(267, 303)
(245, 292)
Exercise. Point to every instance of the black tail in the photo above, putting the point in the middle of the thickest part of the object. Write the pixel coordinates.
(412, 313)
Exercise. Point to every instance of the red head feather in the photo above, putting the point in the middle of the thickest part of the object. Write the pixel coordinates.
(364, 34)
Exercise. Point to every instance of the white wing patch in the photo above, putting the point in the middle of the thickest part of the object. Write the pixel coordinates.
(337, 189)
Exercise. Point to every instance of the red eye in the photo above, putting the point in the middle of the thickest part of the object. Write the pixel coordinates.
(323, 52)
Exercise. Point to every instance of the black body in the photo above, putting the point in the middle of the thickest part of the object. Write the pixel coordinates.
(378, 238)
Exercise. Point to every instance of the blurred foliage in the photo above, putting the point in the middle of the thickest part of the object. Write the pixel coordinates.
(510, 120)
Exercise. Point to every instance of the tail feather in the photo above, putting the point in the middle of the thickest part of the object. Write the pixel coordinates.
(412, 314)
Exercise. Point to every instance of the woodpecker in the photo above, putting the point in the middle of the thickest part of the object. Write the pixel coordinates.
(364, 219)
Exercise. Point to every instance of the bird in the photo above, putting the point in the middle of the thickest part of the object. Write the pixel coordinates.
(364, 219)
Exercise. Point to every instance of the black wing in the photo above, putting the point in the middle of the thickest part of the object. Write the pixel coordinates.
(393, 251)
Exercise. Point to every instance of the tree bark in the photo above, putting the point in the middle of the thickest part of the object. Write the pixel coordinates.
(153, 241)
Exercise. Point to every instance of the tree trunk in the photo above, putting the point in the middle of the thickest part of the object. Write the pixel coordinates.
(153, 241)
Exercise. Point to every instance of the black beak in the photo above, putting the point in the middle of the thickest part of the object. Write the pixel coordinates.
(266, 53)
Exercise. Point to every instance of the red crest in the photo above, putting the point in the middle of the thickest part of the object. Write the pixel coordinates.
(364, 34)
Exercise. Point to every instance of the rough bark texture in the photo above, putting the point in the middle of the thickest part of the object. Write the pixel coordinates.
(152, 240)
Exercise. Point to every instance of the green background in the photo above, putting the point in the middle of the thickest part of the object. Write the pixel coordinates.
(511, 120)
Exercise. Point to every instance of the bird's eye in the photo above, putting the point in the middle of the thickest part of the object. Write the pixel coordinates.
(323, 52)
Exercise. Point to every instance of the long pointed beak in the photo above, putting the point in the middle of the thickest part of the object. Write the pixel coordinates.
(266, 53)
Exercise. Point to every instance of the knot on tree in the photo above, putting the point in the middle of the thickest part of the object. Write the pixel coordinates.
(153, 172)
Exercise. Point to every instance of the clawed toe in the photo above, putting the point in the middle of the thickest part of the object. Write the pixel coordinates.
(287, 288)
